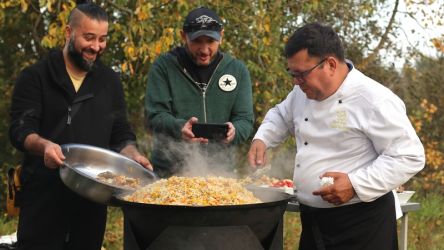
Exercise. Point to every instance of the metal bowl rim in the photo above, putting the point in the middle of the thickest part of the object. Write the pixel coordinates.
(112, 153)
(101, 150)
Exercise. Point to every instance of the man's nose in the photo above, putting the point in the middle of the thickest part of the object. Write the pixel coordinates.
(204, 48)
(95, 45)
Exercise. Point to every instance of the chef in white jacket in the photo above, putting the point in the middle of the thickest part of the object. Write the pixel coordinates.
(348, 127)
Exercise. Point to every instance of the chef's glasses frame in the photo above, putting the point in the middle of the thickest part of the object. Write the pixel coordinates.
(300, 76)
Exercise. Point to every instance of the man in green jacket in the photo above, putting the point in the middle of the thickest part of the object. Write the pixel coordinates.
(196, 83)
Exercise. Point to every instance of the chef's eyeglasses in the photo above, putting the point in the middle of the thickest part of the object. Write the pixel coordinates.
(195, 26)
(300, 76)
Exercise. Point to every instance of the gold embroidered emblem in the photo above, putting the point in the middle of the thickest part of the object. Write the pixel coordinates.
(341, 120)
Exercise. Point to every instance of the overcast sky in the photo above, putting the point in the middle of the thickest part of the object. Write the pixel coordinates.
(422, 35)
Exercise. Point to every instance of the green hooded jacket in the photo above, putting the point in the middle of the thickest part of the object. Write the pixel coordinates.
(173, 97)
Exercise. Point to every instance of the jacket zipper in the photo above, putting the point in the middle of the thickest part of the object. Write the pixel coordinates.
(204, 90)
(77, 101)
(204, 104)
(68, 122)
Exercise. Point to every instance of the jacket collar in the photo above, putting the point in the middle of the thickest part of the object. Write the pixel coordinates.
(91, 85)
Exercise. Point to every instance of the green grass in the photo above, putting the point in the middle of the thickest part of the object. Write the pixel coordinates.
(292, 230)
(8, 225)
(426, 226)
(114, 230)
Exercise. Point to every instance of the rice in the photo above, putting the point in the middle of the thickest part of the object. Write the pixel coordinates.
(194, 191)
(327, 181)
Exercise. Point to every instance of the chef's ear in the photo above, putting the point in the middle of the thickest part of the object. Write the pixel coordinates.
(331, 63)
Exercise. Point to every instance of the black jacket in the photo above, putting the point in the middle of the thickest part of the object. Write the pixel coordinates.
(44, 98)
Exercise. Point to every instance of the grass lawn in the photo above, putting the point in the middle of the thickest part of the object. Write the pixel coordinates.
(426, 226)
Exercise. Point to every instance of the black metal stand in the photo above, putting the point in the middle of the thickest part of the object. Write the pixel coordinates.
(206, 237)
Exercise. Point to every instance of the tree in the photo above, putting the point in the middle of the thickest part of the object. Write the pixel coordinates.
(424, 87)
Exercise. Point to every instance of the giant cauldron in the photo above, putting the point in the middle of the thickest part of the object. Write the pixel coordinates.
(250, 226)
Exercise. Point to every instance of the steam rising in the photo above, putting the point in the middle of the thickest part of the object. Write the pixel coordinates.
(194, 159)
(209, 160)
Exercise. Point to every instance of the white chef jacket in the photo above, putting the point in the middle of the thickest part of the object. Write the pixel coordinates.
(362, 129)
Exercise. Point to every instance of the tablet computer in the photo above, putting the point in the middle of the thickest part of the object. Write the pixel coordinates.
(211, 131)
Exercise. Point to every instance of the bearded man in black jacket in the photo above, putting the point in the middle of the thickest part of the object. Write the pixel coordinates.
(42, 117)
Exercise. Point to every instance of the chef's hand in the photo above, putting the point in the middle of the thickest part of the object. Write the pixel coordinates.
(131, 152)
(230, 134)
(187, 133)
(339, 192)
(51, 152)
(256, 154)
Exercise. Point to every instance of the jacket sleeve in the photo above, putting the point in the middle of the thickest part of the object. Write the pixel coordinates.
(25, 108)
(121, 133)
(242, 115)
(401, 154)
(158, 103)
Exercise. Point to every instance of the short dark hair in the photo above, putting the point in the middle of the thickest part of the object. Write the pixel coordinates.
(91, 10)
(319, 40)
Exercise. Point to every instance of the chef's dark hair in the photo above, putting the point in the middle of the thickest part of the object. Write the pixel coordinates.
(319, 40)
(89, 9)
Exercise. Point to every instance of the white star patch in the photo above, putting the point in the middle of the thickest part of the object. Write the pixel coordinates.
(227, 83)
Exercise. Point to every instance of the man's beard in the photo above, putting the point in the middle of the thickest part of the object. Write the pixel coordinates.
(78, 59)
